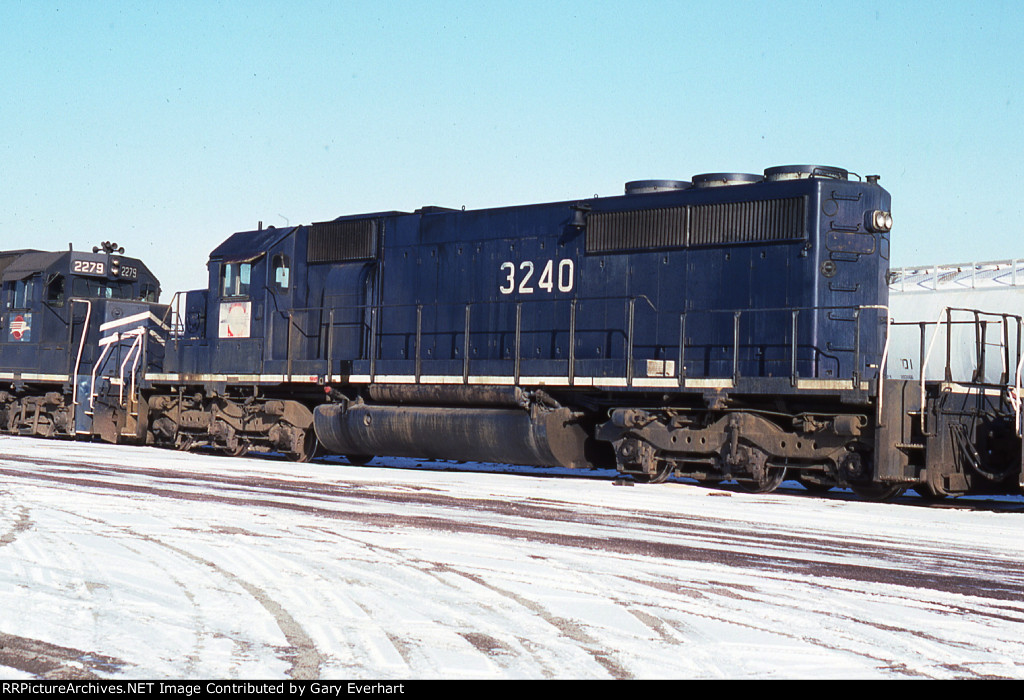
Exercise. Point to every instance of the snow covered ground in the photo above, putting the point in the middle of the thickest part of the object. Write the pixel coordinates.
(121, 562)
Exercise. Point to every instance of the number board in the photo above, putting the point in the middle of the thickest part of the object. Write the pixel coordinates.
(116, 267)
(127, 272)
(93, 268)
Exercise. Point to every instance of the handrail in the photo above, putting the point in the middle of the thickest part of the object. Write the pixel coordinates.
(375, 327)
(978, 375)
(504, 302)
(1015, 401)
(133, 352)
(81, 345)
(311, 323)
(883, 362)
(175, 329)
(96, 365)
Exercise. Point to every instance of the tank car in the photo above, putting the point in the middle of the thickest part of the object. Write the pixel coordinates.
(78, 331)
(940, 297)
(955, 344)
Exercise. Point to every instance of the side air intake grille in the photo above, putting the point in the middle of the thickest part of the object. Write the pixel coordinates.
(698, 225)
(748, 222)
(338, 241)
(643, 228)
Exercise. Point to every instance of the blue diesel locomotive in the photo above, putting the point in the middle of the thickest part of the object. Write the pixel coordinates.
(78, 331)
(731, 327)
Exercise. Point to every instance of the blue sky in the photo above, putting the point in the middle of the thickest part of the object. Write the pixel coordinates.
(166, 126)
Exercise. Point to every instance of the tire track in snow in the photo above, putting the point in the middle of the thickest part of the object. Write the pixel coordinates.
(567, 627)
(21, 524)
(53, 662)
(305, 659)
(997, 579)
(766, 553)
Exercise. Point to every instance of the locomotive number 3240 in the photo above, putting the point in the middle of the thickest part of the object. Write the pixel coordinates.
(550, 278)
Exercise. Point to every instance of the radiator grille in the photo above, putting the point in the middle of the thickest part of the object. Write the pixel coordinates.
(748, 222)
(698, 225)
(338, 241)
(642, 228)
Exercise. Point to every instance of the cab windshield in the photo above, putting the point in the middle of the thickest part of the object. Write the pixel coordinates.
(102, 289)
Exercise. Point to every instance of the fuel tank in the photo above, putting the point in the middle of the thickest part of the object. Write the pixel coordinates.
(540, 436)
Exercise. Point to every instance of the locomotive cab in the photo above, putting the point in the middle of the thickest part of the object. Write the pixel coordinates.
(39, 290)
(237, 377)
(239, 324)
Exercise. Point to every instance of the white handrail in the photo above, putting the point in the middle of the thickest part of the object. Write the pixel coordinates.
(99, 361)
(81, 346)
(134, 350)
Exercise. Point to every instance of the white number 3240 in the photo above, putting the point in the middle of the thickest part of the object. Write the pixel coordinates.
(546, 282)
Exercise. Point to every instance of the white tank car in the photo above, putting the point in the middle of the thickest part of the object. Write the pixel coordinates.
(918, 299)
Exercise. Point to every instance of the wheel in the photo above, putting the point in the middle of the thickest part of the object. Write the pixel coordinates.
(879, 493)
(660, 476)
(773, 476)
(814, 484)
(754, 461)
(928, 494)
(358, 460)
(309, 447)
(856, 467)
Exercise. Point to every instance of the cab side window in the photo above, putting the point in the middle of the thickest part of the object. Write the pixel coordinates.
(235, 279)
(282, 272)
(55, 291)
(20, 293)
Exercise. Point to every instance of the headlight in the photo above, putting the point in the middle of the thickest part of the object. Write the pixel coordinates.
(879, 221)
